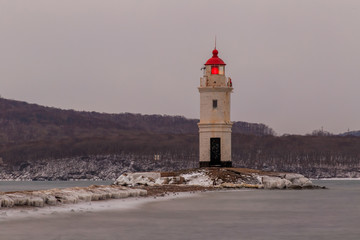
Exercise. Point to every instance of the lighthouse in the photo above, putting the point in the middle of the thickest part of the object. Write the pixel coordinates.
(215, 125)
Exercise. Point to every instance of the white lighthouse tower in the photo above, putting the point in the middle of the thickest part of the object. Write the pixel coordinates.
(215, 126)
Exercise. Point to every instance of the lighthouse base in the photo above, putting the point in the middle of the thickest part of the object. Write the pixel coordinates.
(222, 164)
(215, 144)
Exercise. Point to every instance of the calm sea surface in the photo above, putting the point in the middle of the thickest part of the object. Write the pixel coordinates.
(256, 214)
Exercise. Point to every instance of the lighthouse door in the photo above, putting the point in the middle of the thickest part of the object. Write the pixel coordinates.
(215, 153)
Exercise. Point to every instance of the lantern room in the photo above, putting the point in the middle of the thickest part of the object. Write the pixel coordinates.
(216, 64)
(214, 72)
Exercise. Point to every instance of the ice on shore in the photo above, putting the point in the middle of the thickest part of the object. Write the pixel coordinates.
(218, 178)
(7, 214)
(67, 196)
(199, 178)
(288, 180)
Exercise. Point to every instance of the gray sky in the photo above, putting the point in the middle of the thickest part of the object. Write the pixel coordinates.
(295, 65)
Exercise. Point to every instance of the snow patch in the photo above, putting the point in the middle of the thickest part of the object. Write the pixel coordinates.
(197, 178)
(139, 178)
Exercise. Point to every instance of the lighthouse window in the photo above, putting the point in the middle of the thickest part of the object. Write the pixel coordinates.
(214, 103)
(214, 70)
(221, 70)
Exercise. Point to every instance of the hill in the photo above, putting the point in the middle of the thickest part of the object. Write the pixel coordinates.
(29, 131)
(43, 143)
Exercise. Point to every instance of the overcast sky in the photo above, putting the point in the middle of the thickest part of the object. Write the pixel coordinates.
(295, 65)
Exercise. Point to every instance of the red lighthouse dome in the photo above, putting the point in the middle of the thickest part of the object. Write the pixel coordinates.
(215, 60)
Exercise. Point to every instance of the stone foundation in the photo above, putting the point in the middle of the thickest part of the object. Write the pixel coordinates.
(223, 164)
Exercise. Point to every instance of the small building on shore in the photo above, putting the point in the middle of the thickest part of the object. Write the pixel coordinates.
(215, 125)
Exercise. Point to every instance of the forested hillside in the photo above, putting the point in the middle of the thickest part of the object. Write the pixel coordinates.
(29, 132)
(43, 143)
(314, 156)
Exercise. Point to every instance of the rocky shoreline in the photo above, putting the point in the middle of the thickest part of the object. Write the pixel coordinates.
(142, 184)
(218, 178)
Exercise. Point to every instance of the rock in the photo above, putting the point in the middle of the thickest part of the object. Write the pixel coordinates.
(290, 180)
(170, 180)
(292, 176)
(141, 178)
(218, 181)
(84, 196)
(163, 180)
(177, 180)
(50, 200)
(275, 182)
(302, 182)
(20, 199)
(36, 201)
(134, 192)
(298, 180)
(102, 193)
(66, 197)
(6, 201)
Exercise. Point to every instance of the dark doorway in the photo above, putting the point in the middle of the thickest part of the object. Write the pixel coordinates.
(215, 152)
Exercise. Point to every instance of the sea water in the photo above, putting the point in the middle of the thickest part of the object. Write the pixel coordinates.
(333, 213)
